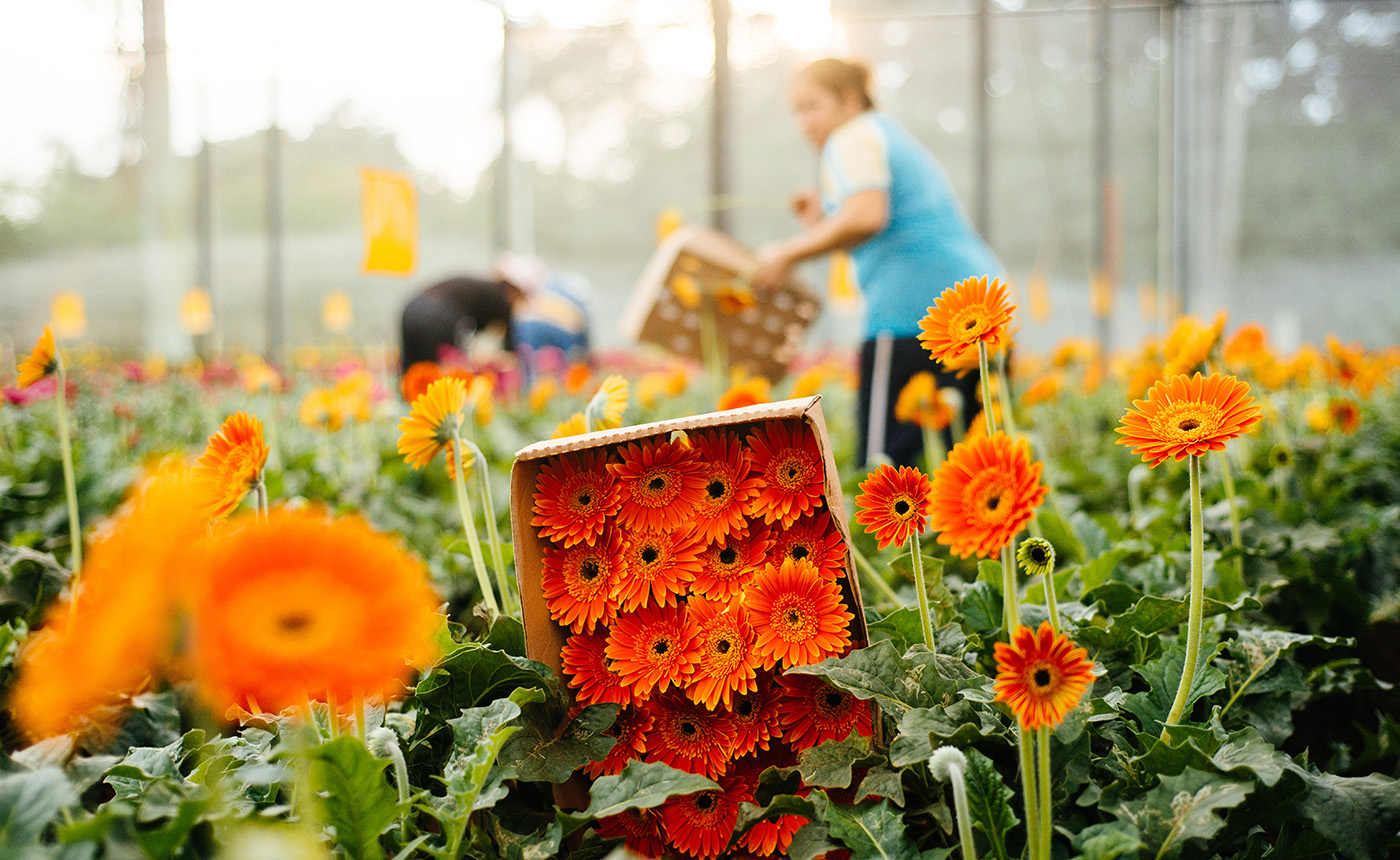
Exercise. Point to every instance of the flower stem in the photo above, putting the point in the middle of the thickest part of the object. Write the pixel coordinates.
(1051, 602)
(955, 775)
(493, 534)
(1011, 591)
(361, 730)
(986, 387)
(260, 489)
(464, 508)
(1195, 613)
(70, 482)
(917, 561)
(1028, 790)
(874, 575)
(332, 714)
(933, 449)
(1044, 825)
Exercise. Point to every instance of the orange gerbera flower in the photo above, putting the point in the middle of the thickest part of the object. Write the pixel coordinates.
(574, 497)
(640, 830)
(984, 493)
(727, 662)
(1246, 347)
(688, 736)
(630, 731)
(729, 485)
(767, 838)
(750, 392)
(305, 606)
(894, 503)
(921, 403)
(812, 711)
(785, 455)
(814, 539)
(580, 582)
(430, 425)
(970, 312)
(725, 568)
(588, 670)
(1041, 675)
(1047, 387)
(654, 649)
(755, 717)
(701, 824)
(80, 668)
(657, 567)
(576, 378)
(232, 464)
(1189, 343)
(1188, 416)
(39, 363)
(661, 482)
(417, 378)
(798, 616)
(1346, 415)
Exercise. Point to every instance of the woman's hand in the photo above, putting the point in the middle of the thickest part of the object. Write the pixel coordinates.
(773, 269)
(806, 204)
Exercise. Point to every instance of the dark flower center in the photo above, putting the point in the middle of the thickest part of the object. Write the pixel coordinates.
(723, 646)
(970, 324)
(1038, 555)
(993, 501)
(799, 552)
(1042, 677)
(728, 555)
(688, 729)
(658, 483)
(588, 571)
(791, 472)
(901, 507)
(661, 647)
(585, 499)
(650, 555)
(704, 802)
(295, 623)
(744, 708)
(794, 617)
(1189, 424)
(716, 489)
(833, 699)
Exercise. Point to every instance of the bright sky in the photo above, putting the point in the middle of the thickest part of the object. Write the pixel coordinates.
(427, 70)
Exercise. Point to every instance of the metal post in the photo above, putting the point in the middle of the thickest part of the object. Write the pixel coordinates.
(276, 336)
(982, 121)
(1166, 129)
(505, 161)
(160, 291)
(1104, 250)
(1183, 90)
(720, 132)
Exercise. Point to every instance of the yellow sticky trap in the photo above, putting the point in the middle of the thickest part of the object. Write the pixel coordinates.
(1038, 286)
(841, 283)
(389, 213)
(69, 315)
(337, 314)
(196, 311)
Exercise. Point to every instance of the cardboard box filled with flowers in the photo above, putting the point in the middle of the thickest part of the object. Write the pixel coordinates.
(678, 569)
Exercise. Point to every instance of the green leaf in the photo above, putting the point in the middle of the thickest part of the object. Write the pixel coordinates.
(901, 628)
(959, 724)
(1181, 809)
(473, 674)
(536, 755)
(358, 801)
(1359, 815)
(1149, 616)
(642, 785)
(828, 765)
(479, 735)
(939, 597)
(989, 801)
(1108, 841)
(165, 841)
(883, 782)
(1163, 676)
(28, 802)
(540, 845)
(982, 607)
(919, 679)
(871, 831)
(507, 634)
(989, 571)
(1095, 573)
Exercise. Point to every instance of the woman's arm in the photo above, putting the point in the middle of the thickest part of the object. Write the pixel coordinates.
(860, 216)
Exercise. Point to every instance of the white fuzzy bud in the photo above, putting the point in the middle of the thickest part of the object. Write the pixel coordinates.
(944, 758)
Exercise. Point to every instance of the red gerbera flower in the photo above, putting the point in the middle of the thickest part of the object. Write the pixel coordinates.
(660, 482)
(811, 711)
(588, 670)
(640, 830)
(798, 617)
(1041, 675)
(894, 503)
(653, 649)
(727, 662)
(725, 568)
(785, 455)
(729, 485)
(702, 823)
(689, 736)
(579, 581)
(814, 539)
(767, 838)
(657, 566)
(630, 729)
(755, 716)
(574, 497)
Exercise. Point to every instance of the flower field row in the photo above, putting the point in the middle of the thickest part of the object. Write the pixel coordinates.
(1143, 605)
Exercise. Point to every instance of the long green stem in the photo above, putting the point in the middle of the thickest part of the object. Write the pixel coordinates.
(986, 387)
(464, 508)
(933, 449)
(493, 534)
(917, 561)
(1195, 613)
(1004, 395)
(70, 482)
(1011, 591)
(1051, 602)
(1043, 739)
(874, 576)
(1028, 790)
(1229, 480)
(260, 488)
(960, 808)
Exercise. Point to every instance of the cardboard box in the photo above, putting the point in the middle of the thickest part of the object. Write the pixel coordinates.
(544, 638)
(763, 337)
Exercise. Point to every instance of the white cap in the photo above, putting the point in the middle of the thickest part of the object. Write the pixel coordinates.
(522, 271)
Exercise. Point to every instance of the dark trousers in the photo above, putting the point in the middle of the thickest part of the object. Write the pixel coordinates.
(904, 442)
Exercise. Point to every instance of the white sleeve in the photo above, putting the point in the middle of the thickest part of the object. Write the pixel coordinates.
(858, 158)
